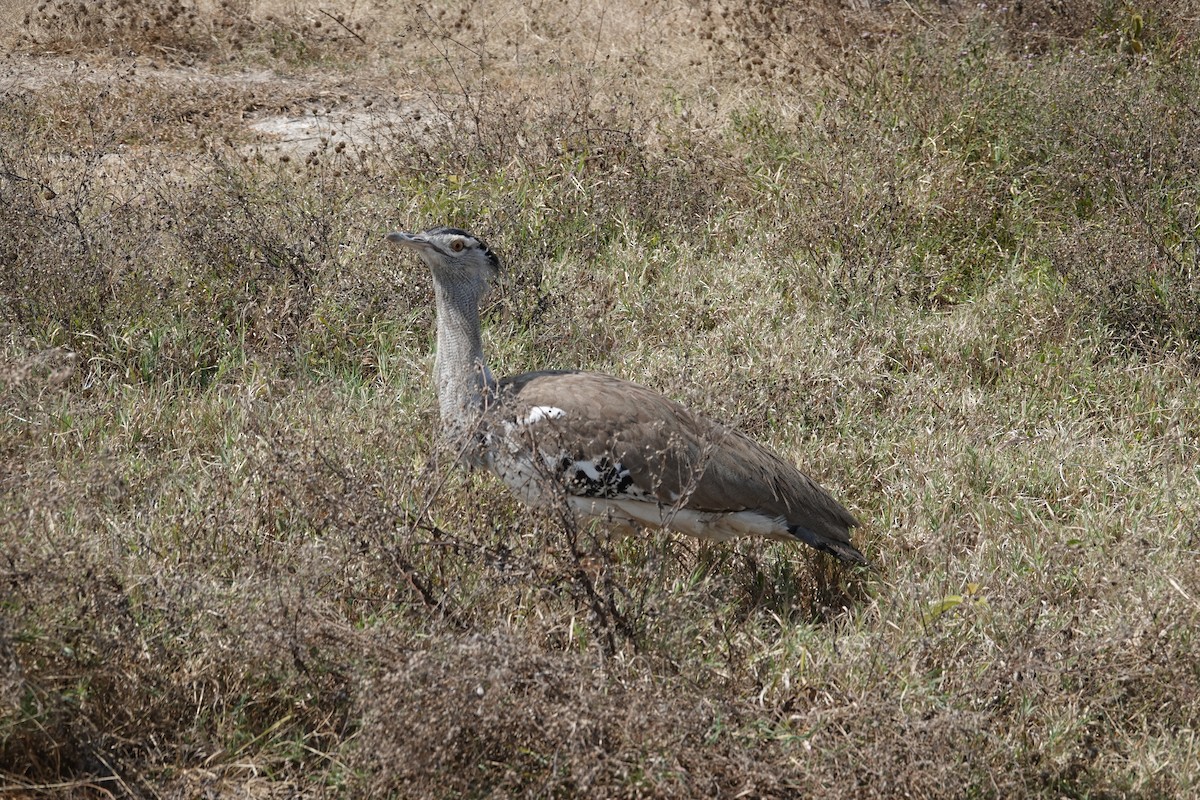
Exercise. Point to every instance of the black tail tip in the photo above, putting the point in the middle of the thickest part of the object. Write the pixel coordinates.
(845, 552)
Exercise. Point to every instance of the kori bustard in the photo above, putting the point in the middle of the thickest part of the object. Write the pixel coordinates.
(607, 447)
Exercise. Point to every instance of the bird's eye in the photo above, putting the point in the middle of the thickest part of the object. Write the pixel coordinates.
(457, 245)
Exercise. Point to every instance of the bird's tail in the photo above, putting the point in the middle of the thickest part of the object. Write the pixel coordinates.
(842, 550)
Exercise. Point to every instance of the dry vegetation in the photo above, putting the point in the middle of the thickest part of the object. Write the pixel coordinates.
(945, 255)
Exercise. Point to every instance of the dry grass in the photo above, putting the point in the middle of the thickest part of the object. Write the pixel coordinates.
(943, 256)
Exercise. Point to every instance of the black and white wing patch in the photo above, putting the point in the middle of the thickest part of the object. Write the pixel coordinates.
(534, 453)
(599, 478)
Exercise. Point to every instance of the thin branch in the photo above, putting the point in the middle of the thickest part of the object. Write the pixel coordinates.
(342, 25)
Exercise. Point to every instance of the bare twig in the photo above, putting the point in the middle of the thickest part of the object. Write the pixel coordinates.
(342, 25)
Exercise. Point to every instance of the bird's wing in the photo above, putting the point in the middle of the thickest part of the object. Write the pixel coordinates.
(608, 437)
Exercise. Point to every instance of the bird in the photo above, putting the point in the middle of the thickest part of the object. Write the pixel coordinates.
(607, 447)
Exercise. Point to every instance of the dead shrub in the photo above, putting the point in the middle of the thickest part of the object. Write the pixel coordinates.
(492, 715)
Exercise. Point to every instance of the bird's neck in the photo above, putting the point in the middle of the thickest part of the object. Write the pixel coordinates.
(461, 376)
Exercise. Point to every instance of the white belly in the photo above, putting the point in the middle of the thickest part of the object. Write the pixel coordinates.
(713, 526)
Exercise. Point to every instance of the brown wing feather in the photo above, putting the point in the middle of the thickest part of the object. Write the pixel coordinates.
(672, 453)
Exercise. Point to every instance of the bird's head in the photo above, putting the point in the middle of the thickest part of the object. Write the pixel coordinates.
(457, 258)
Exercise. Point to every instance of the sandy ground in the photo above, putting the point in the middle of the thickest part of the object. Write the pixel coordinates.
(266, 108)
(290, 116)
(619, 56)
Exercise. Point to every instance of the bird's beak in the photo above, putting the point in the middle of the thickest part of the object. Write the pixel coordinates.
(413, 240)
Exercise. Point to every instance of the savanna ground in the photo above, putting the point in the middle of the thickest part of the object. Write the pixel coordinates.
(942, 255)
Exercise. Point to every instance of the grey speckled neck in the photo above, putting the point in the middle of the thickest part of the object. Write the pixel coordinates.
(460, 373)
